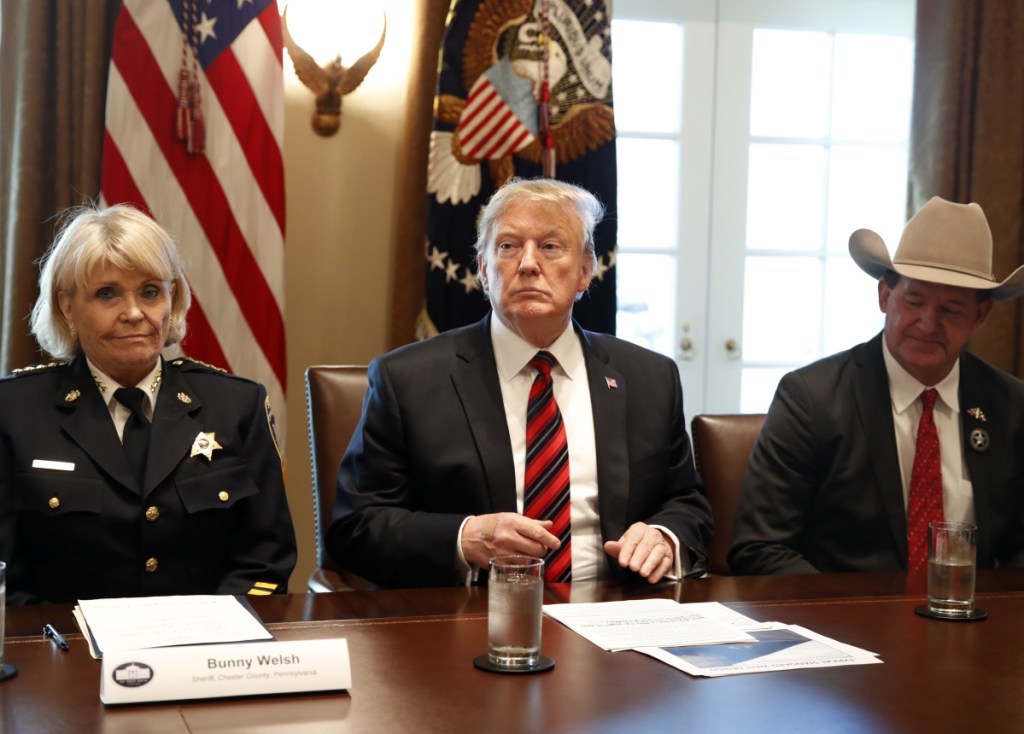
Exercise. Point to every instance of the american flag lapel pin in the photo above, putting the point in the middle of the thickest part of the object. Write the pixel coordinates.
(612, 384)
(977, 414)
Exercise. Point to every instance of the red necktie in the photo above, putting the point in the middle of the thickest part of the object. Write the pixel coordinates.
(547, 467)
(924, 504)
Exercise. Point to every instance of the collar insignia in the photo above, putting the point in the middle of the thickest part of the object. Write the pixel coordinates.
(72, 396)
(205, 444)
(186, 400)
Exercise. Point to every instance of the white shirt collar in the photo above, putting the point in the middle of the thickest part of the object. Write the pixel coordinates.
(904, 388)
(512, 353)
(150, 384)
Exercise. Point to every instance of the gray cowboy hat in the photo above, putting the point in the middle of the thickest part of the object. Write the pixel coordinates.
(943, 243)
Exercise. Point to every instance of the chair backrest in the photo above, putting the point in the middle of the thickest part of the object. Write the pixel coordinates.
(334, 404)
(721, 447)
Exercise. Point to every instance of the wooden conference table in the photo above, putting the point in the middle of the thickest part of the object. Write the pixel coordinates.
(412, 669)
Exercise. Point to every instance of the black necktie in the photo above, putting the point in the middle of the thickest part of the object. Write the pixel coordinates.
(136, 431)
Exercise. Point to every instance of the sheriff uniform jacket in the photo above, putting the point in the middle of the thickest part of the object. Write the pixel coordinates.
(210, 517)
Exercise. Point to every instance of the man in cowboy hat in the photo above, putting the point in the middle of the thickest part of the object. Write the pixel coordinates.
(833, 483)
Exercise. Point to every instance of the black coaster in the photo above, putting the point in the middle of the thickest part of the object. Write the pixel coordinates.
(484, 663)
(7, 671)
(973, 616)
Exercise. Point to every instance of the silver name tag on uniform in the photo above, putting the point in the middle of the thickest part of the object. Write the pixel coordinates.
(58, 465)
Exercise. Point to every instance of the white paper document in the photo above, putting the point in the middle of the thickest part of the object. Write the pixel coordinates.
(776, 647)
(164, 621)
(623, 625)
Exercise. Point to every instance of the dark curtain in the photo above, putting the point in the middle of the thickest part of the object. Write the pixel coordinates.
(53, 77)
(967, 137)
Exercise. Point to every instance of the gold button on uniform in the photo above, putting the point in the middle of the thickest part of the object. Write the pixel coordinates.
(223, 496)
(152, 513)
(54, 503)
(151, 565)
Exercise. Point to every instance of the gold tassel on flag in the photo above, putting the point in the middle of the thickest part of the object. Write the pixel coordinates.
(546, 138)
(188, 124)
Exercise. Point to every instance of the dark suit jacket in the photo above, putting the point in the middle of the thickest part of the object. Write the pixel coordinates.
(432, 448)
(823, 489)
(218, 525)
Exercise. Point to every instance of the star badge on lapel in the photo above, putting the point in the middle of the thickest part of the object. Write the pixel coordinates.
(977, 414)
(205, 444)
(979, 440)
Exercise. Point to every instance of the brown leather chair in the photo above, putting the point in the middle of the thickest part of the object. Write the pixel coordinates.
(722, 446)
(334, 404)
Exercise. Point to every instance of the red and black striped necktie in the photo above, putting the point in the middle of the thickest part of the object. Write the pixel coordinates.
(547, 467)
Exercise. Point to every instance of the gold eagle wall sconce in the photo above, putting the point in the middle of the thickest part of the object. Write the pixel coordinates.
(332, 81)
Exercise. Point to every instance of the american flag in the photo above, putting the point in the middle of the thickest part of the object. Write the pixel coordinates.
(208, 70)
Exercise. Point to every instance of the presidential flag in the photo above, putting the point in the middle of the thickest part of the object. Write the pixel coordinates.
(194, 131)
(499, 62)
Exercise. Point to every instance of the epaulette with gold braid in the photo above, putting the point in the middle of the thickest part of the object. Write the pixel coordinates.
(36, 368)
(182, 360)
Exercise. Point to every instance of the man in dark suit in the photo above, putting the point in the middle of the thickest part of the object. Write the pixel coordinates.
(830, 481)
(437, 478)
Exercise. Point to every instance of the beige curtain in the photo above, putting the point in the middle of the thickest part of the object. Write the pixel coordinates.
(408, 276)
(53, 73)
(967, 136)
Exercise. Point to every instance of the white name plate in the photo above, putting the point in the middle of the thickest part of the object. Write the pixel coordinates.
(219, 671)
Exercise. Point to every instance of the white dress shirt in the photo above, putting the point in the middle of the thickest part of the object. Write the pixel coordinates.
(150, 386)
(904, 394)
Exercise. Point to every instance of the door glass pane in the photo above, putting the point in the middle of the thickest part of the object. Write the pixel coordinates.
(789, 89)
(757, 386)
(649, 202)
(646, 300)
(851, 305)
(873, 83)
(648, 96)
(781, 309)
(867, 189)
(785, 202)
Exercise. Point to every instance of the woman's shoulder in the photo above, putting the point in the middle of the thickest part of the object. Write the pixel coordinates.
(33, 370)
(192, 366)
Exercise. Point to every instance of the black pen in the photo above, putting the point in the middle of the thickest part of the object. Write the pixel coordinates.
(50, 631)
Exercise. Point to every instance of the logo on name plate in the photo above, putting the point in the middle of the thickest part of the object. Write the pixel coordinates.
(132, 675)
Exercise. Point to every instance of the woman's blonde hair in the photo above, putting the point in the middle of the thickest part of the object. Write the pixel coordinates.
(88, 237)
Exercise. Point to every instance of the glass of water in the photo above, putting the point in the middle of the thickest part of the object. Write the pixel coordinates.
(515, 592)
(952, 560)
(6, 669)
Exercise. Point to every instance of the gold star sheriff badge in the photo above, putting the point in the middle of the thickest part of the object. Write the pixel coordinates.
(205, 444)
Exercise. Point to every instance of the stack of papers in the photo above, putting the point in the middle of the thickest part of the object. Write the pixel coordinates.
(704, 639)
(164, 621)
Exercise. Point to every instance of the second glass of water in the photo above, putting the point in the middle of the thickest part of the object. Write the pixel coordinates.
(952, 560)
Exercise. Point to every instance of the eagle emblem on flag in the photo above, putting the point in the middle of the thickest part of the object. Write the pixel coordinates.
(506, 55)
